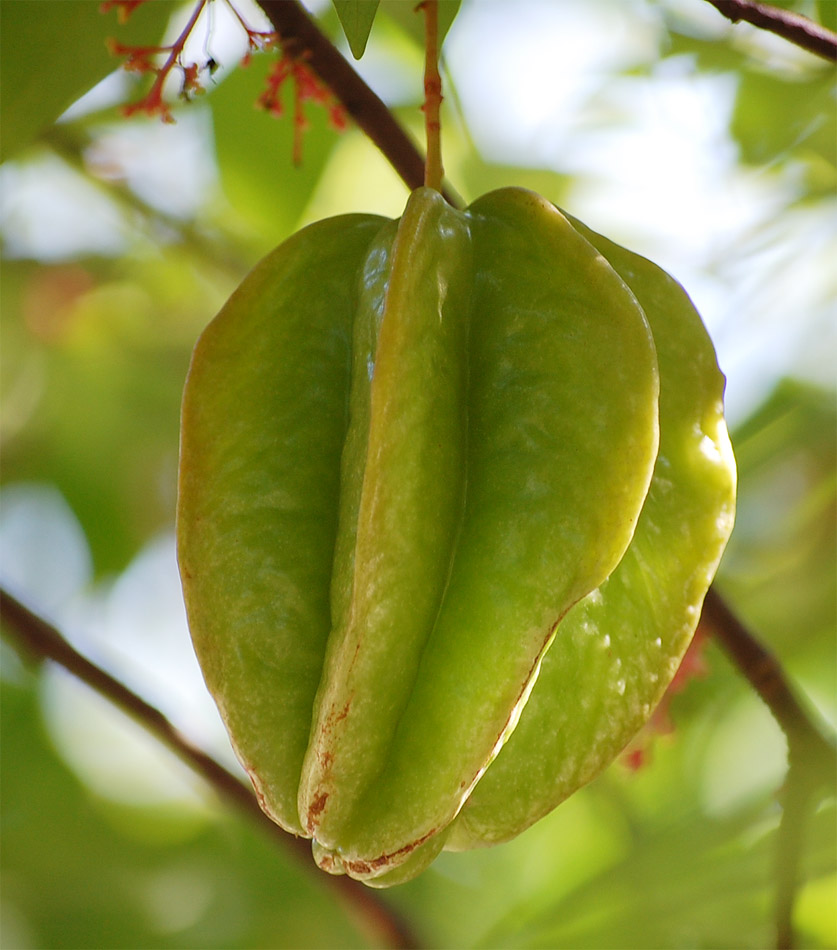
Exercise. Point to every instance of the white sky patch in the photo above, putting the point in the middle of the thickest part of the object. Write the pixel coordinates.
(170, 167)
(110, 752)
(654, 166)
(43, 549)
(112, 90)
(135, 628)
(523, 70)
(153, 648)
(665, 167)
(51, 212)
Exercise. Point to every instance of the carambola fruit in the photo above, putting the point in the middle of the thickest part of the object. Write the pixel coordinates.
(452, 489)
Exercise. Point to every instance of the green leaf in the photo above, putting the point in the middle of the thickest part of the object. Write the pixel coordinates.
(53, 52)
(356, 18)
(255, 154)
(775, 118)
(411, 20)
(705, 878)
(827, 13)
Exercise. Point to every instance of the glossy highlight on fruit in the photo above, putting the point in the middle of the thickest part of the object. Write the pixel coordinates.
(452, 489)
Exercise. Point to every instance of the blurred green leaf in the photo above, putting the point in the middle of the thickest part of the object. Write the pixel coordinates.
(702, 884)
(411, 19)
(255, 153)
(775, 117)
(477, 177)
(827, 13)
(356, 18)
(104, 372)
(707, 55)
(54, 51)
(80, 871)
(784, 549)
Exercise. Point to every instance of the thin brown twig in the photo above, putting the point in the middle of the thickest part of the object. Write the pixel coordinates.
(301, 38)
(433, 169)
(812, 758)
(766, 676)
(794, 27)
(42, 640)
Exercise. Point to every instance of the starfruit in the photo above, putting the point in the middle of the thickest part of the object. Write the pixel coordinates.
(452, 489)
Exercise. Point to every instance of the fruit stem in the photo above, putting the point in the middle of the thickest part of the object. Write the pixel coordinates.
(433, 171)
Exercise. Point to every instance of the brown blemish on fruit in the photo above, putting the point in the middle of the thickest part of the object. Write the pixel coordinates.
(327, 863)
(326, 757)
(315, 809)
(261, 799)
(375, 864)
(333, 718)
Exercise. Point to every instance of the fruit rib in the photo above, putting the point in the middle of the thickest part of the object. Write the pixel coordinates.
(616, 651)
(263, 426)
(403, 472)
(561, 439)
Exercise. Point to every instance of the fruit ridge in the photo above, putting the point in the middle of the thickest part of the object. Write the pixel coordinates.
(409, 449)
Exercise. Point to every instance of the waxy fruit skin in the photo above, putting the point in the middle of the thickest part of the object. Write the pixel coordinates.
(413, 454)
(620, 646)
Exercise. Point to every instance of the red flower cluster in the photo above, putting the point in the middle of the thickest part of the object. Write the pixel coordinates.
(306, 87)
(145, 59)
(124, 8)
(693, 665)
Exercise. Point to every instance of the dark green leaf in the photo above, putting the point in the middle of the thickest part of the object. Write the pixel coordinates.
(356, 17)
(54, 51)
(827, 13)
(412, 20)
(774, 116)
(255, 154)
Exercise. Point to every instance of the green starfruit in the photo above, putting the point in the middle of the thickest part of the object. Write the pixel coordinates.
(413, 455)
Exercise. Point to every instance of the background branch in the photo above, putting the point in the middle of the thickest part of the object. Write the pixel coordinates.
(812, 756)
(40, 640)
(766, 676)
(301, 38)
(793, 27)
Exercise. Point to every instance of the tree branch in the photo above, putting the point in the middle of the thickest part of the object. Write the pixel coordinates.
(41, 640)
(301, 38)
(766, 676)
(812, 757)
(793, 27)
(811, 754)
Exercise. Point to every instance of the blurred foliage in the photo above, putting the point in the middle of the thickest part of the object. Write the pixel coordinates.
(781, 117)
(94, 350)
(100, 874)
(356, 18)
(67, 39)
